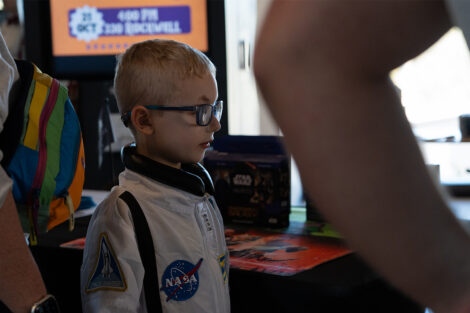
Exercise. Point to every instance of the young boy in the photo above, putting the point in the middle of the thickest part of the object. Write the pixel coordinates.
(167, 94)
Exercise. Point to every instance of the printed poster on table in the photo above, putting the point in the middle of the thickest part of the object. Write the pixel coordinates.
(280, 253)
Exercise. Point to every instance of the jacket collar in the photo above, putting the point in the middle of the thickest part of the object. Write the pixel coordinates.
(192, 177)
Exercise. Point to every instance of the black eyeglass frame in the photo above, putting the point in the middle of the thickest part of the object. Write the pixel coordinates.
(126, 117)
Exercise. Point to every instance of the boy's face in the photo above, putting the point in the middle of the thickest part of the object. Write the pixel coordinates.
(177, 138)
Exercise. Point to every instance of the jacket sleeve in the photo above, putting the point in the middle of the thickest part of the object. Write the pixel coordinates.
(112, 273)
(8, 75)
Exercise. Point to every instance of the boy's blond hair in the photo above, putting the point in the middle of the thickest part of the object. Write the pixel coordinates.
(147, 73)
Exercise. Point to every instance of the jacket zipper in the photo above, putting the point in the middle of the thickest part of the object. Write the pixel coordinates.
(219, 245)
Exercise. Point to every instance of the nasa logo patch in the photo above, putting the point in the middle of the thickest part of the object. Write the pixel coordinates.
(180, 280)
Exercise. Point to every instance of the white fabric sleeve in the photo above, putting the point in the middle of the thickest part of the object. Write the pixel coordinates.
(112, 221)
(5, 185)
(8, 75)
(459, 11)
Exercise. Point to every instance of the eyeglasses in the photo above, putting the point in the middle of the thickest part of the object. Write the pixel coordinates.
(204, 112)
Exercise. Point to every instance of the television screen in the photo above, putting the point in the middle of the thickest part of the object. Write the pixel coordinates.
(108, 27)
(78, 39)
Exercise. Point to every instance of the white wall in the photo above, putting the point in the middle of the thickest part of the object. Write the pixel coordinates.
(247, 113)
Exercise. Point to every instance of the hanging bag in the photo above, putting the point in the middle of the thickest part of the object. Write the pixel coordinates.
(43, 152)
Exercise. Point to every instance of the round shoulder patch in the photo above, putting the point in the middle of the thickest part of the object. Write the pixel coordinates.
(180, 280)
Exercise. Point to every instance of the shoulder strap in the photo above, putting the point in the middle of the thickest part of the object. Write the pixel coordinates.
(147, 253)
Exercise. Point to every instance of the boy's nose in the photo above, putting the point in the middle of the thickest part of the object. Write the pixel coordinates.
(214, 125)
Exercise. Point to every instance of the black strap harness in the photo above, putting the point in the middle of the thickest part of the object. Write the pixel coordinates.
(147, 253)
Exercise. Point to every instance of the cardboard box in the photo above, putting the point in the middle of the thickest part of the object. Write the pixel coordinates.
(252, 184)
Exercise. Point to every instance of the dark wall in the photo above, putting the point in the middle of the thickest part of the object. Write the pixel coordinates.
(102, 166)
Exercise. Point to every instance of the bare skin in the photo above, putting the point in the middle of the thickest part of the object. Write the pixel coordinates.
(20, 279)
(326, 83)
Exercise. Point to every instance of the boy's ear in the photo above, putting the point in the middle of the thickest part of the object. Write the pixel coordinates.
(140, 118)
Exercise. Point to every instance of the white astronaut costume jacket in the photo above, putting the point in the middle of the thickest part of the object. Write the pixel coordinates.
(188, 237)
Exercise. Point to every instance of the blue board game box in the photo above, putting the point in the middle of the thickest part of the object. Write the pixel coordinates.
(251, 176)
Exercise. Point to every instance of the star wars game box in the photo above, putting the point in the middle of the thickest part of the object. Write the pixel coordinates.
(251, 176)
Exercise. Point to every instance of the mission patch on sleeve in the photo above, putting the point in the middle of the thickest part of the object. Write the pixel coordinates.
(107, 274)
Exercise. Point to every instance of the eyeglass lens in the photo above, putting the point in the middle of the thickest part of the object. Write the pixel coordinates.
(218, 110)
(205, 113)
